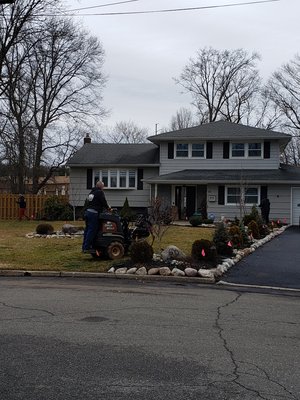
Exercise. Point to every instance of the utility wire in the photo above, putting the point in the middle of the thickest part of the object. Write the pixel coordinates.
(170, 10)
(103, 5)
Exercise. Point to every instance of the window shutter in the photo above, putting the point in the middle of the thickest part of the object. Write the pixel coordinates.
(140, 175)
(221, 195)
(263, 192)
(209, 150)
(170, 150)
(89, 178)
(225, 149)
(267, 149)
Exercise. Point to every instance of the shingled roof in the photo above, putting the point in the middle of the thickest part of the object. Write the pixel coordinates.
(220, 130)
(112, 154)
(285, 174)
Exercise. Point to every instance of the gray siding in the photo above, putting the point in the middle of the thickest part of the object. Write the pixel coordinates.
(279, 196)
(217, 162)
(115, 197)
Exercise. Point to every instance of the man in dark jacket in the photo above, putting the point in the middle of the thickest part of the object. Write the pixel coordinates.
(96, 204)
(265, 210)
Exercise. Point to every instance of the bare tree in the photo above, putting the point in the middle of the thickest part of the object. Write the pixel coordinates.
(283, 89)
(54, 83)
(125, 132)
(223, 84)
(182, 119)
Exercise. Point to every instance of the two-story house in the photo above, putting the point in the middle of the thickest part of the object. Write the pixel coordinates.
(220, 168)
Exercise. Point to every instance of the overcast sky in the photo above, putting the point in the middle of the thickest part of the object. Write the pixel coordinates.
(145, 52)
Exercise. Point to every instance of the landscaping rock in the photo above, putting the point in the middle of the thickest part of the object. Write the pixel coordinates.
(206, 273)
(153, 271)
(190, 272)
(173, 252)
(121, 271)
(111, 270)
(132, 270)
(177, 272)
(141, 271)
(164, 271)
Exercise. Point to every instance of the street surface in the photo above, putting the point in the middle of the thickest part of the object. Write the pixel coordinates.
(89, 339)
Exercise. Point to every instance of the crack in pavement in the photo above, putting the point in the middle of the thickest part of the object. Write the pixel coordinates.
(26, 309)
(236, 363)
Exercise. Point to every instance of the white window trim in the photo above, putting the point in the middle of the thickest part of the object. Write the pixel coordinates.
(118, 170)
(246, 150)
(189, 151)
(241, 187)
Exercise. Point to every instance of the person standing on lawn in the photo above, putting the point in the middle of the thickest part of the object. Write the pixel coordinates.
(96, 204)
(22, 207)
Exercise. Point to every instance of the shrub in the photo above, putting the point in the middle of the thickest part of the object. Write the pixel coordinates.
(221, 240)
(253, 229)
(141, 252)
(126, 211)
(195, 220)
(245, 237)
(57, 209)
(204, 250)
(253, 216)
(235, 236)
(44, 229)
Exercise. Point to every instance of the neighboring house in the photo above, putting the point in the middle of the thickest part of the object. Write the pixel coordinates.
(220, 168)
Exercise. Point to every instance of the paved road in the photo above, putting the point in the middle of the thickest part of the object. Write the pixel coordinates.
(277, 263)
(83, 339)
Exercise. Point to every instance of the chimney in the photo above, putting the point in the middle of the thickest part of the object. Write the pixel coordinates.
(87, 139)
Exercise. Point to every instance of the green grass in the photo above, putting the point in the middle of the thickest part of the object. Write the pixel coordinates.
(64, 254)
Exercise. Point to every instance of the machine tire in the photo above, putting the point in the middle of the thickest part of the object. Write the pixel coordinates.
(115, 250)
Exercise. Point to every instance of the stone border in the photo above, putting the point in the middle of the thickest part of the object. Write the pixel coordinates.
(228, 263)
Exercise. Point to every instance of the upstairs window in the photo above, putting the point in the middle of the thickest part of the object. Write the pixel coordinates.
(182, 150)
(238, 150)
(254, 150)
(246, 150)
(198, 150)
(190, 150)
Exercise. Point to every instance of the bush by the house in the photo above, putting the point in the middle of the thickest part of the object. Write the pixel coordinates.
(204, 250)
(57, 209)
(195, 220)
(221, 240)
(126, 211)
(253, 229)
(44, 229)
(235, 236)
(253, 216)
(141, 252)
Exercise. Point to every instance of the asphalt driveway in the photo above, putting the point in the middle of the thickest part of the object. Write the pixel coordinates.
(276, 264)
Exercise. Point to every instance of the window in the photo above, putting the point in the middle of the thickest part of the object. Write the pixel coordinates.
(132, 178)
(182, 150)
(236, 195)
(238, 149)
(251, 195)
(245, 150)
(123, 177)
(189, 150)
(117, 179)
(198, 150)
(254, 150)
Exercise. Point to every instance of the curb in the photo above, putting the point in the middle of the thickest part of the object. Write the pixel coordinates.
(64, 274)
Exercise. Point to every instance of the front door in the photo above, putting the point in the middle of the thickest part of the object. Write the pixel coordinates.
(190, 201)
(185, 200)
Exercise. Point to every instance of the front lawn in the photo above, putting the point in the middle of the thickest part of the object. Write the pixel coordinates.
(19, 252)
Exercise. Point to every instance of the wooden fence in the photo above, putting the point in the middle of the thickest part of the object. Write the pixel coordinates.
(9, 208)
